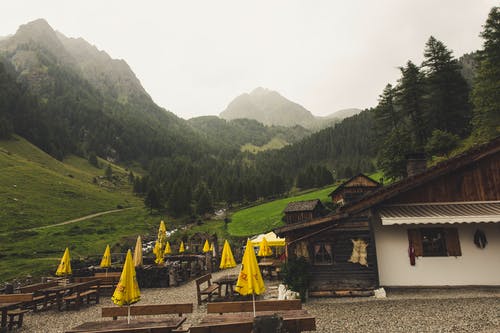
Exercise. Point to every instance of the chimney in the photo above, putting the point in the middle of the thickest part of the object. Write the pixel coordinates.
(415, 163)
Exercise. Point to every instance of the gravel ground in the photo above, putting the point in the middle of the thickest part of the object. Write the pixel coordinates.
(467, 310)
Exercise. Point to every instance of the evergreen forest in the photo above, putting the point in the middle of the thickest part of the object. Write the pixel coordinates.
(48, 96)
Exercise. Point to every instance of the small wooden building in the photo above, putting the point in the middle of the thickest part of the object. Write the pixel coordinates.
(301, 211)
(438, 227)
(353, 189)
(196, 241)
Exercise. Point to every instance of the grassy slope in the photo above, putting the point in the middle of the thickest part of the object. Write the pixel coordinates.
(38, 252)
(265, 217)
(262, 218)
(37, 190)
(274, 143)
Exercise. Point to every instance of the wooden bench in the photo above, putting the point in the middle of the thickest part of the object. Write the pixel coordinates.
(112, 274)
(152, 309)
(108, 283)
(247, 306)
(39, 297)
(210, 290)
(16, 315)
(89, 290)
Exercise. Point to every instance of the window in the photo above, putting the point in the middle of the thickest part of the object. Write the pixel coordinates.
(323, 254)
(435, 242)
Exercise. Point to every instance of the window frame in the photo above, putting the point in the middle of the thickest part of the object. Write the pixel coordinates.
(451, 241)
(324, 252)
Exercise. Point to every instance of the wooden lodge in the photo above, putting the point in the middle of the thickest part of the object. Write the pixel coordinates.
(439, 227)
(353, 189)
(301, 211)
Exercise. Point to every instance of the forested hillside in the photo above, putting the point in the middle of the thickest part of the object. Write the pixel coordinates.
(88, 103)
(433, 108)
(67, 97)
(238, 132)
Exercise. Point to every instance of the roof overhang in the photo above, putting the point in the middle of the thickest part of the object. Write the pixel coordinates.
(443, 212)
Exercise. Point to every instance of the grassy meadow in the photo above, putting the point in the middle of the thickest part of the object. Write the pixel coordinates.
(265, 217)
(37, 190)
(37, 252)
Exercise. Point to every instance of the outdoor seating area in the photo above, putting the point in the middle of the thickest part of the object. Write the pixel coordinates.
(239, 317)
(205, 289)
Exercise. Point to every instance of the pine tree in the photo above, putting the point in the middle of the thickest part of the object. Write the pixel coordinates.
(410, 94)
(447, 99)
(486, 92)
(386, 118)
(152, 200)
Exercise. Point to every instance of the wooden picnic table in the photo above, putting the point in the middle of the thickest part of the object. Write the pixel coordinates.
(59, 291)
(294, 321)
(5, 307)
(227, 281)
(137, 325)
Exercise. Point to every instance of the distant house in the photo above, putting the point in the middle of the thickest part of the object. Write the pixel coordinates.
(196, 241)
(353, 189)
(435, 228)
(301, 211)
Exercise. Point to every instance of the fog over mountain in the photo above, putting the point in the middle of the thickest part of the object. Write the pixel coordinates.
(271, 108)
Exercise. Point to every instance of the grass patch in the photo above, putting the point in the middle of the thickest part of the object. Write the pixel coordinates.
(274, 143)
(38, 252)
(265, 217)
(37, 190)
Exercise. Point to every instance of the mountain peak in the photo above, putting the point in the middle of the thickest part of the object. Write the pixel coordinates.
(39, 32)
(268, 107)
(260, 91)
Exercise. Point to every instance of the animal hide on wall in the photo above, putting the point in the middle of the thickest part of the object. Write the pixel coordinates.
(359, 252)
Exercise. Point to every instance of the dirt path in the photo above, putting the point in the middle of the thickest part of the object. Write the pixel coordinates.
(83, 218)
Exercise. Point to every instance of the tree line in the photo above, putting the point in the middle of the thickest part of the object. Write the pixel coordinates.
(432, 107)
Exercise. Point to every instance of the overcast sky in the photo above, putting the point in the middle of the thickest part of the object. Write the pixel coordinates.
(194, 57)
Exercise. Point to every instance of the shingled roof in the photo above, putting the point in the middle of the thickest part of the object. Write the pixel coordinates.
(302, 206)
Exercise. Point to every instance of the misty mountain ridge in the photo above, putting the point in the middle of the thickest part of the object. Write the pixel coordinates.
(85, 101)
(271, 108)
(109, 76)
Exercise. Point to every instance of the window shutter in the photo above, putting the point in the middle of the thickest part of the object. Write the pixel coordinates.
(452, 242)
(415, 238)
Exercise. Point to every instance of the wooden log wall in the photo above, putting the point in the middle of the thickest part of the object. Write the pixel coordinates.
(343, 275)
(477, 182)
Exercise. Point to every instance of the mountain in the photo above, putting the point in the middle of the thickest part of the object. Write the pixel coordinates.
(269, 108)
(79, 100)
(342, 114)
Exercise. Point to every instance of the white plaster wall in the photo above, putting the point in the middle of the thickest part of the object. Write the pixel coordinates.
(475, 266)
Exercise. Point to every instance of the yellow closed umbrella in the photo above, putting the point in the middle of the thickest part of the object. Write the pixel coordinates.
(181, 247)
(106, 258)
(160, 243)
(250, 280)
(227, 258)
(206, 246)
(168, 250)
(264, 249)
(64, 267)
(211, 247)
(138, 252)
(127, 291)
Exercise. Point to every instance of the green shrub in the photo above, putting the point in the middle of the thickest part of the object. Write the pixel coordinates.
(296, 275)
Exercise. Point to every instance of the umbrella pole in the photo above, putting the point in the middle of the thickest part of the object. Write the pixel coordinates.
(253, 301)
(128, 317)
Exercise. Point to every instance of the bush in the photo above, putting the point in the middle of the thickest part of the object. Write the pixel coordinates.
(296, 275)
